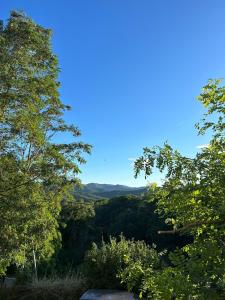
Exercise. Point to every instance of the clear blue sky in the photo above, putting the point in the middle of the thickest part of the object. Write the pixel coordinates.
(132, 71)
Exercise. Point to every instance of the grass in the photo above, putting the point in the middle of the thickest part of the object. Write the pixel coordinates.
(56, 288)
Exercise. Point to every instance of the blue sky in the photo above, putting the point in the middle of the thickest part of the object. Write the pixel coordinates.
(131, 71)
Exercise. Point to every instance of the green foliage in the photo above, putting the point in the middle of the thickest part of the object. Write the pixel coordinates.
(193, 201)
(88, 222)
(135, 272)
(104, 264)
(78, 232)
(35, 171)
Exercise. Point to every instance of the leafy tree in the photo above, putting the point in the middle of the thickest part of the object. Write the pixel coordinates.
(78, 232)
(35, 169)
(193, 201)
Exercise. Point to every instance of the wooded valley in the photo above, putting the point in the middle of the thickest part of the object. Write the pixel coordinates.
(160, 241)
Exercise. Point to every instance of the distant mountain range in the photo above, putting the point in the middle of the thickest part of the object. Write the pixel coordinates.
(97, 191)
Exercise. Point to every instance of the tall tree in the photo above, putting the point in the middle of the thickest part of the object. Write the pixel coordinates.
(193, 200)
(35, 170)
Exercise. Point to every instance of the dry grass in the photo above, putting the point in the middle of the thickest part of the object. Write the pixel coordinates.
(66, 288)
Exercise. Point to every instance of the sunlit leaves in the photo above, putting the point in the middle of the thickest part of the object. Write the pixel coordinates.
(193, 200)
(35, 167)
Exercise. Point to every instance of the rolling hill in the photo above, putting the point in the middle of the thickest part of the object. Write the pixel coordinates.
(97, 191)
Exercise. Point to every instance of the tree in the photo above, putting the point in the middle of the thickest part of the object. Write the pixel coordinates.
(192, 199)
(35, 169)
(78, 232)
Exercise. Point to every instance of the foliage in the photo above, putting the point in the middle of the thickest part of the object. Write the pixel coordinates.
(87, 222)
(135, 272)
(192, 199)
(78, 232)
(104, 264)
(135, 217)
(35, 170)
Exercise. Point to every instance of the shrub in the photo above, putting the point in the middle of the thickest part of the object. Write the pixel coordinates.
(104, 264)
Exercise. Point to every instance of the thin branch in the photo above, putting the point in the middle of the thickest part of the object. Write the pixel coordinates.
(182, 230)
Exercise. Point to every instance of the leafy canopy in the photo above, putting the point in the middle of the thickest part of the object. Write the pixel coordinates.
(36, 167)
(192, 199)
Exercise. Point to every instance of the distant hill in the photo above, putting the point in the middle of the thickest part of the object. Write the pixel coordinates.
(97, 191)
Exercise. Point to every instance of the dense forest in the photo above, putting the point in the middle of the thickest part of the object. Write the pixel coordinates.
(166, 242)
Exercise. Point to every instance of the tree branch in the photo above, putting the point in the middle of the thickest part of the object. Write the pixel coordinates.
(183, 229)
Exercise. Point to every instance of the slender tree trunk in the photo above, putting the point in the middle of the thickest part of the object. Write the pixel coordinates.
(35, 265)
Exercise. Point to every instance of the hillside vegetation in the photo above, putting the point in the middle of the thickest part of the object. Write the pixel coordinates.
(96, 191)
(165, 243)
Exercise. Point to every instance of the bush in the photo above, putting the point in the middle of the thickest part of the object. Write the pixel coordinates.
(67, 288)
(103, 265)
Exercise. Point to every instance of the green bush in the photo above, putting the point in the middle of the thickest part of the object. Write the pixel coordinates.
(103, 265)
